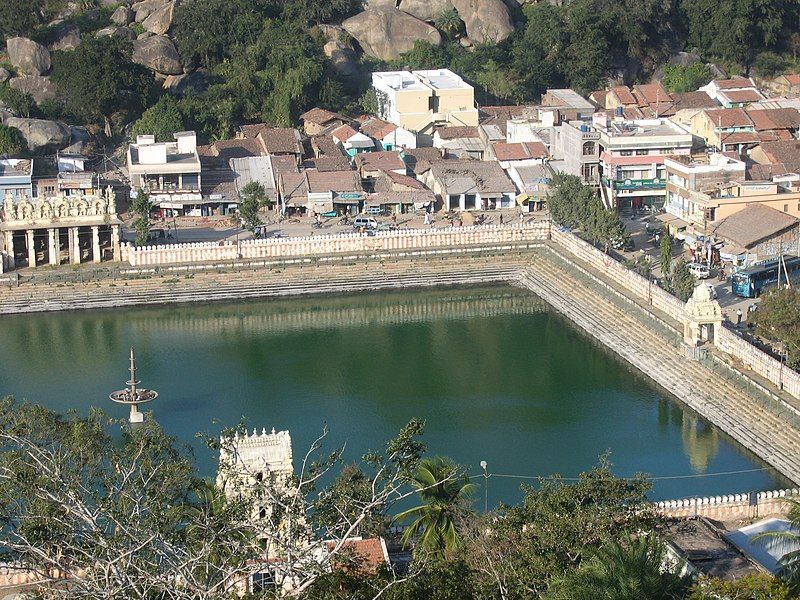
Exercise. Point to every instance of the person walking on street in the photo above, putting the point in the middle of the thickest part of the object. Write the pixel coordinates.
(501, 218)
(738, 317)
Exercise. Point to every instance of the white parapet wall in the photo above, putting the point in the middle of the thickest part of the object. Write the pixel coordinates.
(730, 507)
(347, 243)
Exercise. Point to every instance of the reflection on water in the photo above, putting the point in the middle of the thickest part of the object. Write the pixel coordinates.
(495, 373)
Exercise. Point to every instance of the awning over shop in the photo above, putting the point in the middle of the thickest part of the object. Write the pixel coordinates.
(672, 221)
(730, 252)
(320, 207)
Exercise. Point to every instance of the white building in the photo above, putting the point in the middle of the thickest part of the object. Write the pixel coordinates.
(168, 171)
(420, 100)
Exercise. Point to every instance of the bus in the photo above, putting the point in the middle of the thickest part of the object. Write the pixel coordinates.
(750, 282)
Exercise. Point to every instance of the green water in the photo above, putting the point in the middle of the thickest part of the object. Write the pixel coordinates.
(497, 375)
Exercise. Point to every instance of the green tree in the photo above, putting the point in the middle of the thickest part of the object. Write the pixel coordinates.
(443, 489)
(769, 64)
(11, 141)
(683, 282)
(501, 82)
(251, 199)
(778, 318)
(628, 570)
(665, 250)
(19, 17)
(736, 30)
(755, 586)
(558, 525)
(678, 78)
(141, 207)
(448, 21)
(98, 77)
(161, 120)
(19, 102)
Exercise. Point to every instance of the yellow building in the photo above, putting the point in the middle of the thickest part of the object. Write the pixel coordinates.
(421, 100)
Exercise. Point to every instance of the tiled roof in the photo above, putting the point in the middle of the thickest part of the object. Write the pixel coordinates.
(784, 152)
(379, 161)
(404, 197)
(651, 93)
(756, 172)
(343, 133)
(404, 180)
(324, 145)
(461, 131)
(360, 555)
(793, 78)
(320, 116)
(729, 117)
(741, 137)
(623, 94)
(283, 164)
(419, 160)
(377, 128)
(693, 100)
(472, 176)
(775, 118)
(734, 83)
(293, 185)
(753, 224)
(218, 177)
(332, 181)
(251, 131)
(742, 96)
(234, 148)
(281, 140)
(519, 151)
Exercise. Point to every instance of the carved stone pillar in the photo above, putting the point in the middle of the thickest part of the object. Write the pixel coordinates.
(115, 242)
(9, 247)
(95, 243)
(54, 246)
(31, 247)
(74, 246)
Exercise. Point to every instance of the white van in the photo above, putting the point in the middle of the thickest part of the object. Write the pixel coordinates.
(699, 270)
(365, 222)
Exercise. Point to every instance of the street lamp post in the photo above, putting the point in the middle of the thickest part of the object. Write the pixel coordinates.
(484, 466)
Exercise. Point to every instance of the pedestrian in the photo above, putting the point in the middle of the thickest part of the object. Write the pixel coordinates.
(738, 317)
(521, 215)
(394, 218)
(501, 218)
(427, 218)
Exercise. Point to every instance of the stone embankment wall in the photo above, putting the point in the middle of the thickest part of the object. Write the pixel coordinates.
(758, 361)
(731, 507)
(399, 241)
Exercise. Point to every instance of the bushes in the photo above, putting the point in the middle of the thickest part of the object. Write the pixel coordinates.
(11, 141)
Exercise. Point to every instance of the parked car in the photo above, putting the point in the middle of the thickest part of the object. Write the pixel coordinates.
(626, 244)
(365, 222)
(699, 270)
(653, 227)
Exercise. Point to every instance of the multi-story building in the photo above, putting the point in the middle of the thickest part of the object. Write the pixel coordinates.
(632, 159)
(688, 176)
(16, 176)
(568, 104)
(725, 129)
(577, 145)
(421, 100)
(706, 209)
(733, 93)
(168, 171)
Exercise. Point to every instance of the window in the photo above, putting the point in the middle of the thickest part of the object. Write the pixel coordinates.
(786, 208)
(433, 103)
(641, 153)
(626, 152)
(588, 148)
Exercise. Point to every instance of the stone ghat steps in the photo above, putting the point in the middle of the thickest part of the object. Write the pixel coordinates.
(258, 284)
(714, 397)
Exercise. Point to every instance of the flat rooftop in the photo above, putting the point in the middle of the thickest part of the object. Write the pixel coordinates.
(437, 79)
(705, 547)
(571, 99)
(648, 127)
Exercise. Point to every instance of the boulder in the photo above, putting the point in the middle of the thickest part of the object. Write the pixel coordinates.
(380, 4)
(106, 31)
(122, 16)
(158, 54)
(27, 55)
(67, 37)
(160, 20)
(196, 81)
(343, 59)
(144, 35)
(684, 59)
(427, 10)
(40, 134)
(386, 33)
(38, 86)
(5, 75)
(145, 8)
(485, 20)
(125, 33)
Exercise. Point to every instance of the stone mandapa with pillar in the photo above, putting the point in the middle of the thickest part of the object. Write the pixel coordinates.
(61, 229)
(703, 317)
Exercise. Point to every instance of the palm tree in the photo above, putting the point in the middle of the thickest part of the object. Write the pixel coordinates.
(789, 563)
(448, 21)
(632, 571)
(443, 489)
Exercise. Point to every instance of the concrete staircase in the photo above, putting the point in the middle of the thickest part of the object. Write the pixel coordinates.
(628, 333)
(262, 283)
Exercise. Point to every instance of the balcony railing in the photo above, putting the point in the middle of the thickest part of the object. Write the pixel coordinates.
(636, 184)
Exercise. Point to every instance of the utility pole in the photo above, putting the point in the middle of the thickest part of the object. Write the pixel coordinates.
(484, 466)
